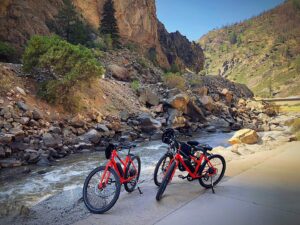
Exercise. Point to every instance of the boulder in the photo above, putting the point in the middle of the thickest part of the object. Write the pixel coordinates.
(176, 119)
(22, 106)
(101, 128)
(208, 102)
(118, 72)
(194, 112)
(92, 136)
(124, 115)
(51, 140)
(37, 114)
(179, 102)
(246, 136)
(148, 97)
(147, 124)
(77, 121)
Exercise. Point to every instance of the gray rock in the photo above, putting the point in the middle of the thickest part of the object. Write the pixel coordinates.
(118, 72)
(148, 97)
(211, 129)
(93, 136)
(22, 106)
(51, 141)
(148, 124)
(101, 127)
(37, 114)
(24, 120)
(124, 115)
(55, 130)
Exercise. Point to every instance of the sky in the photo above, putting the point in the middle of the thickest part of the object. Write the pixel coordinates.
(194, 18)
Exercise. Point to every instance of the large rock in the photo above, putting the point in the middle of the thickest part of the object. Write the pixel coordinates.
(147, 96)
(208, 102)
(194, 112)
(175, 119)
(246, 136)
(92, 136)
(50, 140)
(118, 72)
(179, 102)
(147, 124)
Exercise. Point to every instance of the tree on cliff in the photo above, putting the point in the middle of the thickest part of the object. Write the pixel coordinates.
(69, 25)
(108, 23)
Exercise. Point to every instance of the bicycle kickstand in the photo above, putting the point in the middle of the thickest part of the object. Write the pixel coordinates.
(139, 190)
(212, 185)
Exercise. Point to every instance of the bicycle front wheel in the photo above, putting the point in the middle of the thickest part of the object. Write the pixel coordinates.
(99, 200)
(161, 168)
(165, 181)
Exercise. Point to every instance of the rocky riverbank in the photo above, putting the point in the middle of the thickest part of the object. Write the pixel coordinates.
(33, 132)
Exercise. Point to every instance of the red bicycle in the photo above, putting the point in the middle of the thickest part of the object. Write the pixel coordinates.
(102, 186)
(192, 157)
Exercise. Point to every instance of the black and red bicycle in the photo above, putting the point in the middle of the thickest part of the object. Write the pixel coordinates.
(102, 186)
(191, 157)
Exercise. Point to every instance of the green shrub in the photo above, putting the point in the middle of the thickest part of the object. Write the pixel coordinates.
(135, 85)
(175, 80)
(104, 42)
(142, 61)
(7, 52)
(72, 65)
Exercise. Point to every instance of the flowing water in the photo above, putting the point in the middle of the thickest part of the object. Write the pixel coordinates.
(70, 172)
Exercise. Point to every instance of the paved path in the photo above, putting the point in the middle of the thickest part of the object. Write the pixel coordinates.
(262, 189)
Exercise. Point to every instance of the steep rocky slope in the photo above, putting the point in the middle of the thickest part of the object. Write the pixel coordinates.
(32, 131)
(262, 52)
(136, 19)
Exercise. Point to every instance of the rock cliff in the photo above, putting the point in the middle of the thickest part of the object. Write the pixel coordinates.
(137, 23)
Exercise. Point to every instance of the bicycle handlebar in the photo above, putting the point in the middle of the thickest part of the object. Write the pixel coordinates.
(126, 146)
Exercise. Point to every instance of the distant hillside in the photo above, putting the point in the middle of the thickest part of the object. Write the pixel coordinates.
(262, 52)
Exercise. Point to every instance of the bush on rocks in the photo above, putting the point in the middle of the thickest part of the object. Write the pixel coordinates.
(70, 66)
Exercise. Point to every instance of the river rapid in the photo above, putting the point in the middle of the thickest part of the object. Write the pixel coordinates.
(30, 185)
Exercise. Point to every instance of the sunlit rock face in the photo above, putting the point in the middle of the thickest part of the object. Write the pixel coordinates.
(137, 22)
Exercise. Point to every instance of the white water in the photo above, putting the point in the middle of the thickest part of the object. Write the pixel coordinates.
(70, 172)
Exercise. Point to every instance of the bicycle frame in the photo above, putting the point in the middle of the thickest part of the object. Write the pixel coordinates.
(194, 175)
(113, 164)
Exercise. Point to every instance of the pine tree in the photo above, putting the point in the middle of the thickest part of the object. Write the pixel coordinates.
(108, 25)
(69, 25)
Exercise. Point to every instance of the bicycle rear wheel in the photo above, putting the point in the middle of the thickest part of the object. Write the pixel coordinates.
(101, 200)
(208, 172)
(160, 169)
(133, 169)
(165, 181)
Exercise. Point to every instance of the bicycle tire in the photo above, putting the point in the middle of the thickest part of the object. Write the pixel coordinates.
(160, 162)
(127, 174)
(165, 181)
(86, 200)
(201, 180)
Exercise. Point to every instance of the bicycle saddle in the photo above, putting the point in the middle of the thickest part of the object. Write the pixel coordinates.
(199, 146)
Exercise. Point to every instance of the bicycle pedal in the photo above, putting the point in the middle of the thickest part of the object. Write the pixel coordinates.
(182, 177)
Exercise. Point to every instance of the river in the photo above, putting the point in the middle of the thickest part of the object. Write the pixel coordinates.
(68, 173)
